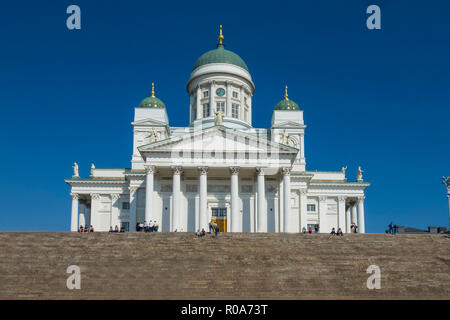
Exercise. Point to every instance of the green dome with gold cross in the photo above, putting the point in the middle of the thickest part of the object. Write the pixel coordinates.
(287, 104)
(220, 55)
(152, 101)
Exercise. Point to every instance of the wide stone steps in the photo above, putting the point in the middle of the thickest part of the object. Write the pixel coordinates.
(239, 265)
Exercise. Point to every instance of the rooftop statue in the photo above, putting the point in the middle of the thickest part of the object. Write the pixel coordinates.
(75, 170)
(359, 174)
(218, 118)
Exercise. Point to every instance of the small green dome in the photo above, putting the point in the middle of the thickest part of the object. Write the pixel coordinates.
(220, 55)
(152, 101)
(287, 104)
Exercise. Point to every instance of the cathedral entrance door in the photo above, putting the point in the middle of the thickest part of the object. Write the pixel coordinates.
(219, 216)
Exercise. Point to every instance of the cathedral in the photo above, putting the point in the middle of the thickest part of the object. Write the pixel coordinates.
(219, 168)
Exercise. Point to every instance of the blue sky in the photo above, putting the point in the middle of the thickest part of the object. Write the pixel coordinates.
(379, 99)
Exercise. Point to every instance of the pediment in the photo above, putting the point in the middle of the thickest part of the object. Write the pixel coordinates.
(289, 124)
(149, 123)
(218, 139)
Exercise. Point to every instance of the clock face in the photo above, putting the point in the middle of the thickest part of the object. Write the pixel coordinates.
(220, 92)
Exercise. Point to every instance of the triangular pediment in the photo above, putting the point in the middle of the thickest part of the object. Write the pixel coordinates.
(218, 139)
(149, 123)
(289, 124)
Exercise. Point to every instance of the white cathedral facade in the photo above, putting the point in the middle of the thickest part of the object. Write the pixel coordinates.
(219, 168)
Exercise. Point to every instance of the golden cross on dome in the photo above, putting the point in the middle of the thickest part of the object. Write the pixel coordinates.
(286, 94)
(153, 89)
(221, 35)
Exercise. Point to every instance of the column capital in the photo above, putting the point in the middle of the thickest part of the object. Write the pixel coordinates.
(322, 198)
(115, 196)
(149, 168)
(361, 198)
(302, 191)
(133, 189)
(286, 171)
(75, 196)
(260, 171)
(234, 170)
(95, 196)
(342, 198)
(203, 170)
(177, 170)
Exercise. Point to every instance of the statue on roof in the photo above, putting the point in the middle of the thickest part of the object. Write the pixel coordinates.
(153, 135)
(285, 138)
(344, 169)
(218, 118)
(75, 170)
(92, 169)
(359, 174)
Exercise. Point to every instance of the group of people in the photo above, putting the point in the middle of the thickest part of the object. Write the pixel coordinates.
(393, 228)
(354, 228)
(310, 230)
(116, 229)
(213, 229)
(145, 226)
(86, 228)
(338, 233)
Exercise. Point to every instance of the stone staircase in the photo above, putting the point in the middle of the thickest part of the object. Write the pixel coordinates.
(233, 266)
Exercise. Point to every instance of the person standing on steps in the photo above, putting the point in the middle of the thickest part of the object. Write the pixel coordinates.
(210, 226)
(216, 230)
(150, 226)
(391, 228)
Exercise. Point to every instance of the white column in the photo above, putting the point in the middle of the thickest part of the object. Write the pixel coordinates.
(262, 215)
(287, 200)
(203, 223)
(354, 217)
(241, 104)
(95, 218)
(347, 220)
(212, 106)
(133, 200)
(149, 215)
(115, 221)
(323, 223)
(341, 214)
(74, 214)
(82, 214)
(229, 94)
(235, 213)
(199, 106)
(176, 198)
(361, 226)
(303, 209)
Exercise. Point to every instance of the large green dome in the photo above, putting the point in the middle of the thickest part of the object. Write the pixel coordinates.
(220, 55)
(152, 101)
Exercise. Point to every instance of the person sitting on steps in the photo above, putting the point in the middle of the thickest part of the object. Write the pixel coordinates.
(339, 232)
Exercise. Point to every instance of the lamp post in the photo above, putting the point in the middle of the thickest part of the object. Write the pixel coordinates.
(446, 181)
